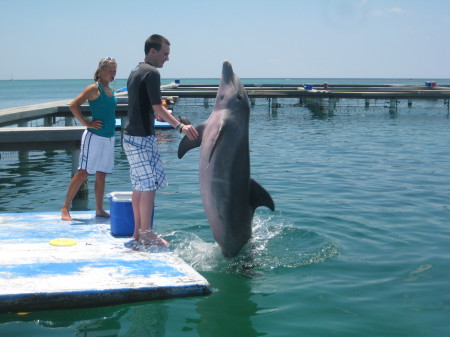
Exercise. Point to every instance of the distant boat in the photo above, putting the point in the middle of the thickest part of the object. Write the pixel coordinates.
(12, 77)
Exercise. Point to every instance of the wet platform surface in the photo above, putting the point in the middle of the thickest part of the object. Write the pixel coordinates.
(47, 263)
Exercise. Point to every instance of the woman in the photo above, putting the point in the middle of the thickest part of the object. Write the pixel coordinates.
(97, 144)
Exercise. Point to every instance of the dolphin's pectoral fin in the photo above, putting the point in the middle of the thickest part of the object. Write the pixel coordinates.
(217, 140)
(186, 144)
(258, 196)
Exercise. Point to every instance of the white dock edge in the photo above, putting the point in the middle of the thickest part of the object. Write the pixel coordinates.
(98, 270)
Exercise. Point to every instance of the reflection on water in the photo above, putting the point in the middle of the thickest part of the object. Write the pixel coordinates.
(131, 320)
(233, 308)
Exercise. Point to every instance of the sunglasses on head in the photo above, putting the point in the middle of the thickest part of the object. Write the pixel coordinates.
(107, 59)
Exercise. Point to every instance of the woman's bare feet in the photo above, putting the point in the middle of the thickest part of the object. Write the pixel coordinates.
(65, 214)
(102, 214)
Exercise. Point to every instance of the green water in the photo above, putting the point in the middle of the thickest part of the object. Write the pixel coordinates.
(357, 246)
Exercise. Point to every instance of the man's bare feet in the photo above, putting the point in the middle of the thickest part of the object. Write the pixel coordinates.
(150, 238)
(65, 215)
(102, 214)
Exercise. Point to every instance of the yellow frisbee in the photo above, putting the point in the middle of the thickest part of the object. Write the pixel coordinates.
(63, 242)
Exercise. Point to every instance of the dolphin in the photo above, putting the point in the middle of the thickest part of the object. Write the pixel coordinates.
(229, 195)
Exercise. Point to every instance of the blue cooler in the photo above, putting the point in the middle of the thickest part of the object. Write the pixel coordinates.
(121, 211)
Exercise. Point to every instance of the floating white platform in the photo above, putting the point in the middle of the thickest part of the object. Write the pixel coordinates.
(98, 270)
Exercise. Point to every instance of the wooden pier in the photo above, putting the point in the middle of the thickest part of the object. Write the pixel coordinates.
(318, 91)
(40, 138)
(16, 138)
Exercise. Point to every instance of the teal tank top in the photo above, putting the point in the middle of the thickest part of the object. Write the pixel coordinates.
(104, 109)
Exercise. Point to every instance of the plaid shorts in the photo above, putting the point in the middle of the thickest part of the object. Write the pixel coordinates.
(146, 167)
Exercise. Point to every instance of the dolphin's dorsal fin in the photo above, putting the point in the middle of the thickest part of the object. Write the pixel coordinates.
(186, 144)
(258, 196)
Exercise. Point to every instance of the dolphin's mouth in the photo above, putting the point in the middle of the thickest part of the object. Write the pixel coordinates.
(227, 72)
(228, 76)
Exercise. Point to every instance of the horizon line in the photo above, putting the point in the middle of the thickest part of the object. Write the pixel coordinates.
(242, 78)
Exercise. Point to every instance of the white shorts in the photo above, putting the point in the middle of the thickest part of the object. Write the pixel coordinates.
(146, 167)
(97, 153)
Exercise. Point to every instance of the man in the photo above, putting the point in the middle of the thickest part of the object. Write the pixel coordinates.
(139, 141)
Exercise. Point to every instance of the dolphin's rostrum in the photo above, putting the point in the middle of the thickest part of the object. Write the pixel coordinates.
(229, 195)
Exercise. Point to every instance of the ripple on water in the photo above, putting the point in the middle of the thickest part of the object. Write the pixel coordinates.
(274, 245)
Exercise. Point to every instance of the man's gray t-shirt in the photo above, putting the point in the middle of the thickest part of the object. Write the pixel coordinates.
(144, 91)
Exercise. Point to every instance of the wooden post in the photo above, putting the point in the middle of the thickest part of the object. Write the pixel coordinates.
(68, 121)
(48, 120)
(75, 158)
(332, 103)
(84, 190)
(393, 106)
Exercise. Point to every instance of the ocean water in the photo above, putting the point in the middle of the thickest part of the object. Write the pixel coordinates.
(357, 246)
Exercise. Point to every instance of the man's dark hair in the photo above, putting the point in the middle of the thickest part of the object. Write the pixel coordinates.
(155, 41)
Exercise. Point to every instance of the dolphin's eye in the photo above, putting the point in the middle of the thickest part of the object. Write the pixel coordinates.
(239, 97)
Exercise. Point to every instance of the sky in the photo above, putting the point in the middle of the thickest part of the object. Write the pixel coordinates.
(62, 39)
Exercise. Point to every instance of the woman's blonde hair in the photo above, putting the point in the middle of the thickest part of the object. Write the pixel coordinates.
(103, 63)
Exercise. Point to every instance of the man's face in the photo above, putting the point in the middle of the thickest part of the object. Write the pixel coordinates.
(158, 58)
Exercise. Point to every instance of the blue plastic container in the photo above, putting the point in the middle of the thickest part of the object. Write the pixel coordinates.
(121, 211)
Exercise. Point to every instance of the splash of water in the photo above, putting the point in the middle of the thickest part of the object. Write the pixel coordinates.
(274, 245)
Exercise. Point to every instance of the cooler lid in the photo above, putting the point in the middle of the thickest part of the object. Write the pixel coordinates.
(120, 196)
